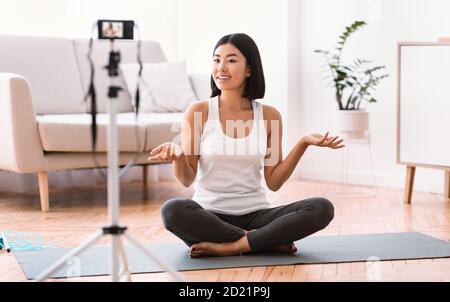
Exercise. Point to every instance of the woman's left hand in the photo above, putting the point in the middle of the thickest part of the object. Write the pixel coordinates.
(319, 140)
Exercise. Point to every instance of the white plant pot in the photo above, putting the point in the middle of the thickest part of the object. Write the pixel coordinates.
(353, 123)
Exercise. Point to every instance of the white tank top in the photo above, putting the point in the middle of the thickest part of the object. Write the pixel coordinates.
(229, 173)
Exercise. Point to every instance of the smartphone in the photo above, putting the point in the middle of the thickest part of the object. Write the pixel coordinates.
(115, 29)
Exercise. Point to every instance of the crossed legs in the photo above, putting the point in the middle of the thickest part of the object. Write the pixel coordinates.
(212, 234)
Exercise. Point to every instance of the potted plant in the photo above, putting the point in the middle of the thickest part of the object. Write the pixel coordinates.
(354, 84)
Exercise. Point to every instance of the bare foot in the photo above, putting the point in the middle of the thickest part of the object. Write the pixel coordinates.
(205, 249)
(285, 248)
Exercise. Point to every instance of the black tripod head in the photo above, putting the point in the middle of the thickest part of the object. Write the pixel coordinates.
(113, 63)
(113, 70)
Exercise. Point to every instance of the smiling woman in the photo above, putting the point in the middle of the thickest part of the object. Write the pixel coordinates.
(229, 213)
(238, 68)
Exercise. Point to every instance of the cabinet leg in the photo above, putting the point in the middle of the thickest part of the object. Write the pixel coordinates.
(409, 183)
(447, 185)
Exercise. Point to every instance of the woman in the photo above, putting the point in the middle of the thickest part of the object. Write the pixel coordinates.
(229, 213)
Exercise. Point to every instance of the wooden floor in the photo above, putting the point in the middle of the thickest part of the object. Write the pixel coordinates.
(76, 213)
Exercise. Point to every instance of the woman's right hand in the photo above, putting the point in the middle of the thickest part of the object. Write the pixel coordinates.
(166, 152)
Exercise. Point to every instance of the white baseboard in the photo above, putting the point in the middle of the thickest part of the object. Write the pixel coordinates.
(427, 183)
(22, 183)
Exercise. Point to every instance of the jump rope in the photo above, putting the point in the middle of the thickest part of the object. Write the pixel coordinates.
(22, 242)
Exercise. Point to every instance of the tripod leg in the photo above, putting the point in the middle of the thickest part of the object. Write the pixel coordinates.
(123, 256)
(114, 258)
(161, 263)
(62, 261)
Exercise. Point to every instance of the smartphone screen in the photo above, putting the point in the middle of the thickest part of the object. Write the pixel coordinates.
(115, 29)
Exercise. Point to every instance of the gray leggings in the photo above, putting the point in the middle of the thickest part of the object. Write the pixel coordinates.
(272, 227)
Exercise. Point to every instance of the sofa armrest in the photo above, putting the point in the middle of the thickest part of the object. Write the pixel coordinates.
(201, 85)
(21, 149)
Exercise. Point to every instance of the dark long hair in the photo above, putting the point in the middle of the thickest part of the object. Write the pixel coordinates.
(255, 85)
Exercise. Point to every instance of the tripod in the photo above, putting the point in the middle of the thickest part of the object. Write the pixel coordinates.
(114, 228)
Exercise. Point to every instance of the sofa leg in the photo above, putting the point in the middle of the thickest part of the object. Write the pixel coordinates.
(145, 177)
(43, 191)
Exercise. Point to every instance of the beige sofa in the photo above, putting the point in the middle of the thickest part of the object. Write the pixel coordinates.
(44, 121)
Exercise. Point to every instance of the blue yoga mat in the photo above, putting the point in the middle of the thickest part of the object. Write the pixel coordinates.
(313, 249)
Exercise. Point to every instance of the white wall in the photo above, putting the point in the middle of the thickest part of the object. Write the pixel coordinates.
(203, 22)
(186, 29)
(317, 24)
(74, 18)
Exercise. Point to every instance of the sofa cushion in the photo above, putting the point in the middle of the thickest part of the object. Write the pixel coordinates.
(200, 83)
(50, 67)
(164, 87)
(160, 127)
(151, 52)
(72, 132)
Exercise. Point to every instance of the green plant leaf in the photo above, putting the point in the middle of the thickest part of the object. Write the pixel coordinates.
(358, 77)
